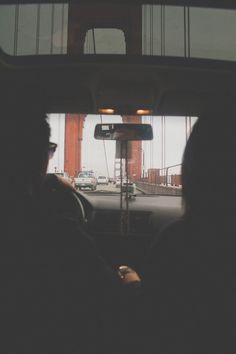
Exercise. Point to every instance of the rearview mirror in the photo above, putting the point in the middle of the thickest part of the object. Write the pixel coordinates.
(123, 132)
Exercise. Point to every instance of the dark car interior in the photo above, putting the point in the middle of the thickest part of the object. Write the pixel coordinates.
(74, 81)
(164, 84)
(179, 60)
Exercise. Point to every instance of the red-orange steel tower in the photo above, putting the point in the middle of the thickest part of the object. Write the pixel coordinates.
(73, 139)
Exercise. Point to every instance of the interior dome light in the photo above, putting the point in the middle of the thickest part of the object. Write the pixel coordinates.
(106, 110)
(144, 111)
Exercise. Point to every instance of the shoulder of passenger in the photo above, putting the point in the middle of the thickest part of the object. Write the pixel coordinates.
(173, 232)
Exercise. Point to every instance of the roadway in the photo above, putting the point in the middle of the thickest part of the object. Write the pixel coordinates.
(143, 190)
(111, 188)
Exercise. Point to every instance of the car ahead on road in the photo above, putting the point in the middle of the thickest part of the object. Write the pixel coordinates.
(86, 180)
(129, 186)
(102, 180)
(117, 182)
(126, 183)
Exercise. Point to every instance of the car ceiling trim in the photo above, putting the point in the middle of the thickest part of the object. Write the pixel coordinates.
(230, 4)
(104, 61)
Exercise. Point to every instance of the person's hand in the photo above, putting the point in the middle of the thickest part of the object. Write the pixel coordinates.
(128, 276)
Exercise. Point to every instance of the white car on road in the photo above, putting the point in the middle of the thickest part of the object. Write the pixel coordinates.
(102, 180)
(86, 179)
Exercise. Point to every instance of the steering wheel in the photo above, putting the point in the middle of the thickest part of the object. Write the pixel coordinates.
(62, 199)
(80, 209)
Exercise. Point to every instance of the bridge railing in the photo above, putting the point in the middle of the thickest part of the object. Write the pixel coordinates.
(164, 176)
(161, 181)
(152, 188)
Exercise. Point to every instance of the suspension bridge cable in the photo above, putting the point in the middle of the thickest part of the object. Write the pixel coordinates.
(157, 29)
(162, 149)
(187, 55)
(163, 34)
(52, 27)
(62, 26)
(150, 148)
(162, 145)
(185, 33)
(161, 31)
(152, 145)
(105, 153)
(161, 129)
(37, 29)
(145, 30)
(189, 33)
(186, 128)
(190, 125)
(165, 142)
(164, 31)
(15, 44)
(151, 29)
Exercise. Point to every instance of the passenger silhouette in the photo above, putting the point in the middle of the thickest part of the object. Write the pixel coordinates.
(56, 291)
(189, 278)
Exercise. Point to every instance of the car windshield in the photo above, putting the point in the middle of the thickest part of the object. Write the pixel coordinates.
(154, 167)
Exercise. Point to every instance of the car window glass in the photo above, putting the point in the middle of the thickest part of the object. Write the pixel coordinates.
(37, 29)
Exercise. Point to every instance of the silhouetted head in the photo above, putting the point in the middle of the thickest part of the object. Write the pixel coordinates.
(209, 166)
(24, 144)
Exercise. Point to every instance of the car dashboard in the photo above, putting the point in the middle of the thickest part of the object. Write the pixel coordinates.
(148, 215)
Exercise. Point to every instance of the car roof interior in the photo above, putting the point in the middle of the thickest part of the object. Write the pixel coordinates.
(84, 83)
